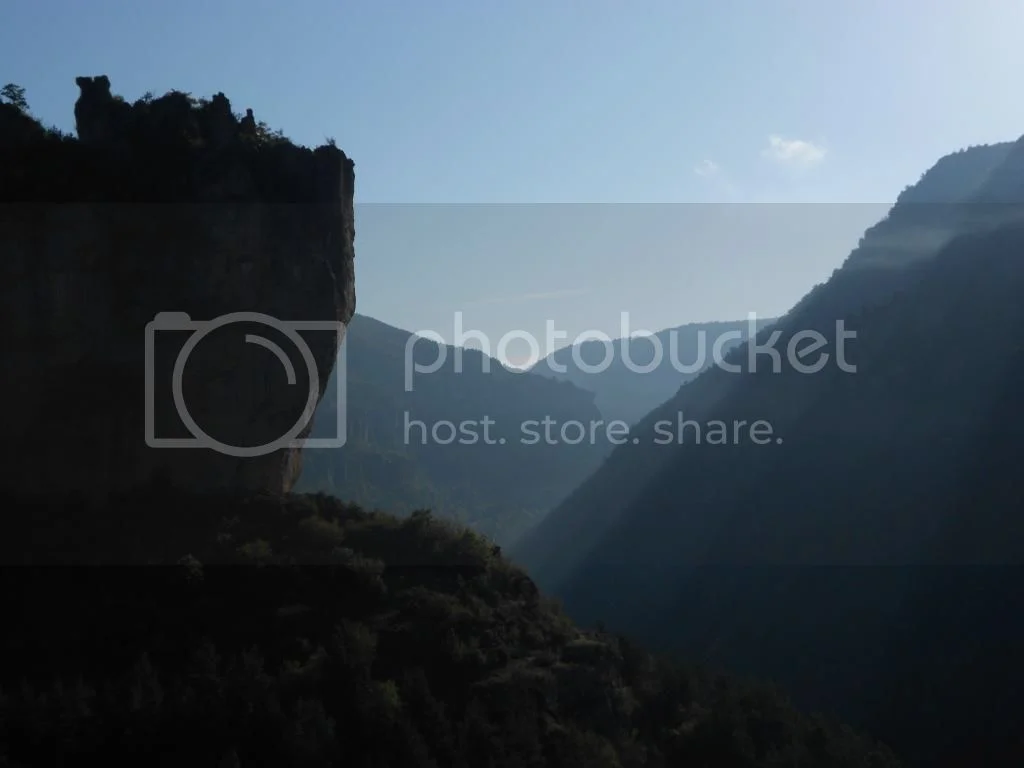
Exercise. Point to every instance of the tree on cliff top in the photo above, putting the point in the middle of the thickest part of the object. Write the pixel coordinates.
(14, 95)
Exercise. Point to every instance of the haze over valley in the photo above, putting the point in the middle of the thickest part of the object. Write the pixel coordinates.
(678, 425)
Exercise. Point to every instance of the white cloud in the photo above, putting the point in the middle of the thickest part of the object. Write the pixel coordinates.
(707, 169)
(794, 152)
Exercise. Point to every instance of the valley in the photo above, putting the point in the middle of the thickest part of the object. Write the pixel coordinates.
(883, 502)
(251, 521)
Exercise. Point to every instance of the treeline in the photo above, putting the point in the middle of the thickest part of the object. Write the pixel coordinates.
(301, 631)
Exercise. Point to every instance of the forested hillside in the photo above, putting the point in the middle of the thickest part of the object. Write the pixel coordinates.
(869, 554)
(422, 441)
(303, 631)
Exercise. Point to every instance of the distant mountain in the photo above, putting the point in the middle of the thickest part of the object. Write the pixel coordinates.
(867, 555)
(628, 376)
(395, 460)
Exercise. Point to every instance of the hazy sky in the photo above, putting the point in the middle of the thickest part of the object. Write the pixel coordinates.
(816, 114)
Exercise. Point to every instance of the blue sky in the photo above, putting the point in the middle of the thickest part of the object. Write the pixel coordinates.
(802, 118)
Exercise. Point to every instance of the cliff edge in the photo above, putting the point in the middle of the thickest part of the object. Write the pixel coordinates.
(121, 246)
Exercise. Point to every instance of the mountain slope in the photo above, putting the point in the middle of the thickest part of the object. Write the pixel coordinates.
(890, 504)
(301, 631)
(391, 462)
(870, 277)
(624, 375)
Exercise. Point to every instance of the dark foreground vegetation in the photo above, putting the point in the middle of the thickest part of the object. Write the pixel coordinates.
(301, 631)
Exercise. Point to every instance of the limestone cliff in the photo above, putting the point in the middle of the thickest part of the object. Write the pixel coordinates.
(172, 205)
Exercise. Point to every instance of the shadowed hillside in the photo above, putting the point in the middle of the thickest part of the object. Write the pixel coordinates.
(867, 556)
(426, 445)
(301, 631)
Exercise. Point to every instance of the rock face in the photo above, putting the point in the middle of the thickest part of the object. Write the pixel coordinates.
(165, 206)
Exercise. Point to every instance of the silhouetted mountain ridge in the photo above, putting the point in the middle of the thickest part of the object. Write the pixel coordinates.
(391, 459)
(889, 486)
(628, 376)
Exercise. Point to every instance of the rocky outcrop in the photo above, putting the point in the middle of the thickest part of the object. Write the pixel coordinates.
(165, 206)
